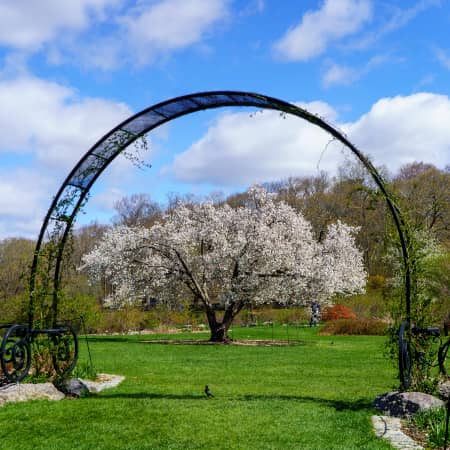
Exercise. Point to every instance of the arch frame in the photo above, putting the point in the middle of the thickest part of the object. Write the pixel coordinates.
(73, 193)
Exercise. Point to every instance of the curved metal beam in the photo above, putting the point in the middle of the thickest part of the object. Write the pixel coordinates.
(73, 192)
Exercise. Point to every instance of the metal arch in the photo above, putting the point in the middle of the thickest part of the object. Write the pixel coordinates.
(73, 192)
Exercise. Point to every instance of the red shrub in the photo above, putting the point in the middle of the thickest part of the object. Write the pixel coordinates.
(336, 312)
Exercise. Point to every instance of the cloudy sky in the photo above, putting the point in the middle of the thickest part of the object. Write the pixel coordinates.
(72, 70)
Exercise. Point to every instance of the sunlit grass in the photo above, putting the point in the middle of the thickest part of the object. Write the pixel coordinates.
(313, 395)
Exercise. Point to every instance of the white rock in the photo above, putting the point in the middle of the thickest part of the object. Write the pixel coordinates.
(105, 382)
(28, 391)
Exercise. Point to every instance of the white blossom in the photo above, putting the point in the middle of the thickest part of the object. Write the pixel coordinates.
(257, 254)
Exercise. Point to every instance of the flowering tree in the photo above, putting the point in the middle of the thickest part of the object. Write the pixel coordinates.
(257, 254)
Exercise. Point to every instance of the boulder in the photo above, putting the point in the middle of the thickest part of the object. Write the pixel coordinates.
(73, 387)
(405, 404)
(28, 391)
(444, 390)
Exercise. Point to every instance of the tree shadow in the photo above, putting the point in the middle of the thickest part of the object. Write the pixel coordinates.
(109, 339)
(338, 405)
(151, 396)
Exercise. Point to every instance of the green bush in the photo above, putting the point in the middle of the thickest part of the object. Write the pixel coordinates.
(161, 318)
(376, 282)
(14, 310)
(123, 320)
(72, 306)
(372, 304)
(276, 315)
(291, 315)
(134, 319)
(368, 327)
(432, 422)
(85, 370)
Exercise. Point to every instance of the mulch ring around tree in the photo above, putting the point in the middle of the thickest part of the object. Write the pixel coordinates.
(246, 342)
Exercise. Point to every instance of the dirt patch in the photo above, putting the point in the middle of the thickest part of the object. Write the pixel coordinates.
(247, 342)
(414, 433)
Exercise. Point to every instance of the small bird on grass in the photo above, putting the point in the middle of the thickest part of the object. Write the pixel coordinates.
(208, 392)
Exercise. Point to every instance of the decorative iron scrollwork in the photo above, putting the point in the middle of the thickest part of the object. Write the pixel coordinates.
(65, 349)
(409, 353)
(15, 353)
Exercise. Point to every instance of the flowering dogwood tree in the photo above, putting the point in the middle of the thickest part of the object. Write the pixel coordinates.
(257, 254)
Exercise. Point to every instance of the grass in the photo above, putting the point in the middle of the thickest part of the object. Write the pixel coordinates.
(314, 395)
(432, 423)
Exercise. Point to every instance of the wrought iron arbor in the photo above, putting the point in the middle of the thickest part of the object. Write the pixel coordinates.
(45, 280)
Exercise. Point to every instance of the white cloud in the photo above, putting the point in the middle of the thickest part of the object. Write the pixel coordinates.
(103, 53)
(398, 19)
(399, 130)
(336, 74)
(134, 35)
(28, 24)
(238, 149)
(243, 149)
(53, 127)
(318, 29)
(23, 193)
(158, 28)
(51, 121)
(118, 33)
(105, 200)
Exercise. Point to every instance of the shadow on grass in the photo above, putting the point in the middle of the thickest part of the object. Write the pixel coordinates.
(151, 396)
(129, 339)
(339, 405)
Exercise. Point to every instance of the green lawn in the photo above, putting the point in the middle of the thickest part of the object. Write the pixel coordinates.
(315, 395)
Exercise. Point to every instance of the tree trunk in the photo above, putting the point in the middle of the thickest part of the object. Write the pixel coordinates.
(219, 330)
(219, 334)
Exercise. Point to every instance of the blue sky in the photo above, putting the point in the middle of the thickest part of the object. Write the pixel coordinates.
(71, 70)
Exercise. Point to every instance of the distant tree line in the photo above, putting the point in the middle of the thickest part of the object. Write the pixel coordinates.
(351, 197)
